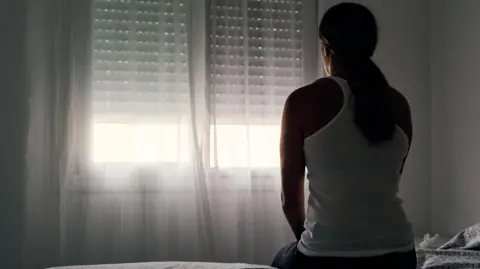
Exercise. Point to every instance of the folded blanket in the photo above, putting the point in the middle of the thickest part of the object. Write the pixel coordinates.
(468, 239)
(460, 252)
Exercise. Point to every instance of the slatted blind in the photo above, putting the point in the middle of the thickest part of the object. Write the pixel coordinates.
(256, 57)
(140, 60)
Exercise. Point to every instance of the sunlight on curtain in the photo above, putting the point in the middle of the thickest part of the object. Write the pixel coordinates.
(168, 143)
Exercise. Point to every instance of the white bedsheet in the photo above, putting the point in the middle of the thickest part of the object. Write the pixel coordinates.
(169, 265)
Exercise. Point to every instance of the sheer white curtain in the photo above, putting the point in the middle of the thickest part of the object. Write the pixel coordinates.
(154, 127)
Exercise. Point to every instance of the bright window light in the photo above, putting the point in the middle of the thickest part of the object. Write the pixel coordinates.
(231, 146)
(254, 146)
(140, 143)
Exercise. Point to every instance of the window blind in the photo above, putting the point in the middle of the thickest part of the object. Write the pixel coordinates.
(140, 60)
(256, 57)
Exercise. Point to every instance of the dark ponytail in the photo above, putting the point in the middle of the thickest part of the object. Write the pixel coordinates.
(349, 32)
(372, 102)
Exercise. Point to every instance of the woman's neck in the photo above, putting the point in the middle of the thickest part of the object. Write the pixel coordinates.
(339, 72)
(338, 69)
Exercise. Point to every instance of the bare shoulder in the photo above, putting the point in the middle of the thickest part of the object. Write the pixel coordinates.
(400, 98)
(401, 104)
(320, 90)
(314, 105)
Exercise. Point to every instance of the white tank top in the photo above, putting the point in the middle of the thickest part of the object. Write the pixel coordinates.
(353, 207)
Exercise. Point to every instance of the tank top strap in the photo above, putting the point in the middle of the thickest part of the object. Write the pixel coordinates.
(344, 86)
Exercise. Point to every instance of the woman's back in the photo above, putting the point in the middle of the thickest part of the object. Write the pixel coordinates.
(353, 208)
(353, 137)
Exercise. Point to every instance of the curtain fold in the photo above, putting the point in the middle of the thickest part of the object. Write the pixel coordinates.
(198, 84)
(58, 63)
(154, 127)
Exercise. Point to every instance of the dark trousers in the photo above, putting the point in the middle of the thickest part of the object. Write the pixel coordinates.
(290, 258)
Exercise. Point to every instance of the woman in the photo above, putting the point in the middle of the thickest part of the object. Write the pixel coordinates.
(353, 132)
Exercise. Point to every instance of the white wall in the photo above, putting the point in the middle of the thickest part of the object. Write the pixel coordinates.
(455, 66)
(403, 55)
(13, 121)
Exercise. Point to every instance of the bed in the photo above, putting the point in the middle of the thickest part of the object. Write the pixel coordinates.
(460, 252)
(170, 265)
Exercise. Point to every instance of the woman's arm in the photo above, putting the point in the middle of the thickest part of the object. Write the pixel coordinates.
(403, 117)
(293, 166)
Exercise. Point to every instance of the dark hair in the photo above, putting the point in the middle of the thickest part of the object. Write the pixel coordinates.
(349, 31)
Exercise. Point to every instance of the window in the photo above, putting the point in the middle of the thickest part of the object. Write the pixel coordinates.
(141, 94)
(256, 62)
(141, 97)
(256, 57)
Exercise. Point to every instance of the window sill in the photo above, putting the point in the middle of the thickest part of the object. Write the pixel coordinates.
(172, 178)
